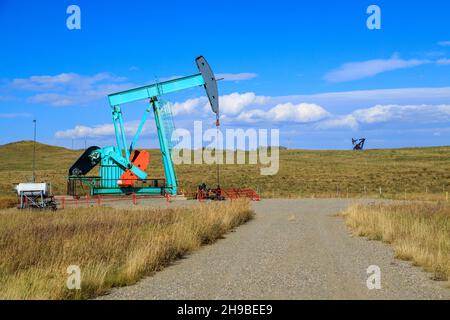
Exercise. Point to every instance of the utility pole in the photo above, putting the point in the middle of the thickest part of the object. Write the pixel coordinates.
(34, 152)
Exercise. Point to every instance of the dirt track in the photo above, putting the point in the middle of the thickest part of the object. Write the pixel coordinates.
(293, 249)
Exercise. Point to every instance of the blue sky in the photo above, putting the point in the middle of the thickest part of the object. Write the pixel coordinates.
(309, 68)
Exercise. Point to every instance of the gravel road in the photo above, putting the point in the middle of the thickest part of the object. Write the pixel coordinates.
(293, 249)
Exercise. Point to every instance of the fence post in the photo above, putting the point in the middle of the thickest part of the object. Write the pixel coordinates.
(446, 196)
(63, 202)
(134, 199)
(380, 193)
(99, 200)
(87, 200)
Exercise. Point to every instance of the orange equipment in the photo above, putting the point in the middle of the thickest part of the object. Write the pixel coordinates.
(140, 159)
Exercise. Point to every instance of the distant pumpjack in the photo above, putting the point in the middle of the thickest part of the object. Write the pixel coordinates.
(358, 144)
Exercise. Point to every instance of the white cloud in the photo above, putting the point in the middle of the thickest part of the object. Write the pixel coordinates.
(80, 131)
(335, 107)
(443, 61)
(250, 116)
(14, 115)
(365, 69)
(236, 76)
(403, 113)
(233, 104)
(68, 89)
(348, 121)
(71, 89)
(376, 114)
(423, 114)
(444, 43)
(287, 112)
(54, 99)
(39, 83)
(103, 130)
(187, 107)
(303, 112)
(62, 81)
(394, 106)
(310, 113)
(77, 97)
(349, 100)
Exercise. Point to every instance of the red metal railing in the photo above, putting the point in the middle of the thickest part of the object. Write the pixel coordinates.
(99, 200)
(236, 193)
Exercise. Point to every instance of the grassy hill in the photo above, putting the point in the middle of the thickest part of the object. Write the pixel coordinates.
(302, 173)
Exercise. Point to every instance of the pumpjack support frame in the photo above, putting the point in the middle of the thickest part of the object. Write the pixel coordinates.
(115, 160)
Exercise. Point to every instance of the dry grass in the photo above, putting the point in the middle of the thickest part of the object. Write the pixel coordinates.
(423, 172)
(112, 247)
(8, 201)
(419, 232)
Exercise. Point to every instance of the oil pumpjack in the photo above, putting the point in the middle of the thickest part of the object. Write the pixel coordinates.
(123, 168)
(358, 144)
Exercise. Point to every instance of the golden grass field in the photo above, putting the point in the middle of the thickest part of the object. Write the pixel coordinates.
(422, 173)
(417, 231)
(116, 247)
(112, 247)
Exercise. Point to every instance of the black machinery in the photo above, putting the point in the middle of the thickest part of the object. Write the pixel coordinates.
(358, 144)
(205, 193)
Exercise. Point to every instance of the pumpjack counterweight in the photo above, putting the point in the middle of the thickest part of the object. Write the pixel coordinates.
(122, 167)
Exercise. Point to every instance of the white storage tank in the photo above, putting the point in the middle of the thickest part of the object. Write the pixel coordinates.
(33, 189)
